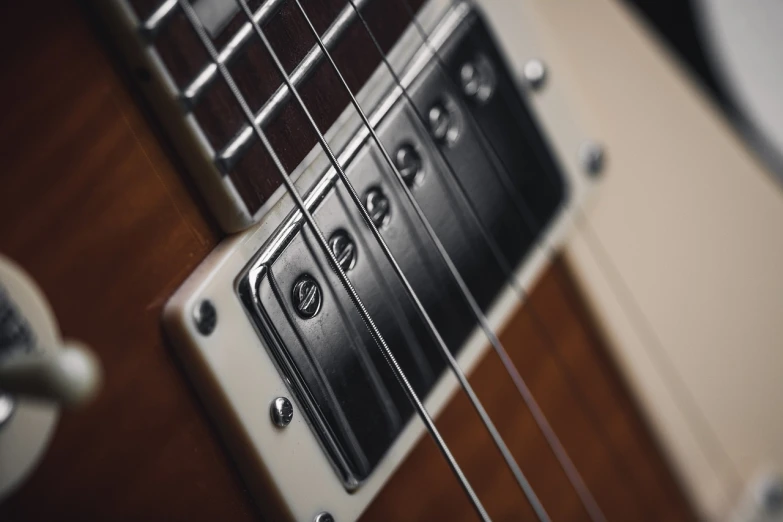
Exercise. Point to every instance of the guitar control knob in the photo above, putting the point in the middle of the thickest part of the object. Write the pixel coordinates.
(70, 376)
(39, 373)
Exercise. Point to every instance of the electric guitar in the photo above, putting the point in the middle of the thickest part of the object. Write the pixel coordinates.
(378, 260)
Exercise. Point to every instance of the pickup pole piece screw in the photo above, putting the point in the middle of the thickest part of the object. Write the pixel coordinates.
(306, 296)
(442, 124)
(408, 163)
(344, 249)
(378, 206)
(478, 80)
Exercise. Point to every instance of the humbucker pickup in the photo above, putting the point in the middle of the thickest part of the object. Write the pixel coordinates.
(487, 194)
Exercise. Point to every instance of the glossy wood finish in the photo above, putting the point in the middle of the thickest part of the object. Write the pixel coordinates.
(559, 353)
(97, 210)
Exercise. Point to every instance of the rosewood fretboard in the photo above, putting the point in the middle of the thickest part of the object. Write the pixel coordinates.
(220, 117)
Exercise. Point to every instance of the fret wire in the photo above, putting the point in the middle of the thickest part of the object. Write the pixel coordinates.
(204, 78)
(574, 477)
(498, 440)
(158, 18)
(369, 222)
(292, 190)
(232, 152)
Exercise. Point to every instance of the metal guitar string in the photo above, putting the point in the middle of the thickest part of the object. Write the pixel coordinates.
(640, 322)
(573, 475)
(197, 25)
(508, 457)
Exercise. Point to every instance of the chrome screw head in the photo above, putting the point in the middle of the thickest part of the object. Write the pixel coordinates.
(591, 157)
(306, 296)
(478, 80)
(534, 72)
(205, 317)
(282, 411)
(344, 249)
(443, 128)
(323, 517)
(408, 163)
(7, 407)
(378, 206)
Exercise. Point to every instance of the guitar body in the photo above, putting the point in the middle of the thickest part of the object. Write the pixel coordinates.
(96, 207)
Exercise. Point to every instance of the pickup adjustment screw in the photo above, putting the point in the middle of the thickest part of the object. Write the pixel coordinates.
(344, 249)
(408, 163)
(282, 411)
(478, 80)
(378, 206)
(443, 126)
(205, 317)
(306, 296)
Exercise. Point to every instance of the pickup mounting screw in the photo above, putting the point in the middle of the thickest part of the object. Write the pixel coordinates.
(282, 411)
(344, 249)
(378, 206)
(408, 163)
(591, 156)
(205, 317)
(534, 72)
(323, 517)
(306, 296)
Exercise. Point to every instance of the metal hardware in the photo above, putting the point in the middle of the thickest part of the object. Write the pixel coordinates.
(156, 19)
(306, 296)
(326, 359)
(443, 128)
(408, 163)
(535, 74)
(478, 80)
(233, 151)
(378, 206)
(344, 249)
(232, 48)
(591, 157)
(282, 411)
(7, 407)
(323, 517)
(205, 317)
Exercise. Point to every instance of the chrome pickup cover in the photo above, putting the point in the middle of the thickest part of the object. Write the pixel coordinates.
(491, 163)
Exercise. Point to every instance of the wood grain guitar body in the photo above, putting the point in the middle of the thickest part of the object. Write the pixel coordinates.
(96, 206)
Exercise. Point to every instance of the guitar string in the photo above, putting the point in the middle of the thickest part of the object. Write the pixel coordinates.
(705, 433)
(573, 475)
(533, 227)
(457, 371)
(208, 45)
(521, 479)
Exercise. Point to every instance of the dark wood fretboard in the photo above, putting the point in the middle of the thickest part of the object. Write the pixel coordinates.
(220, 117)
